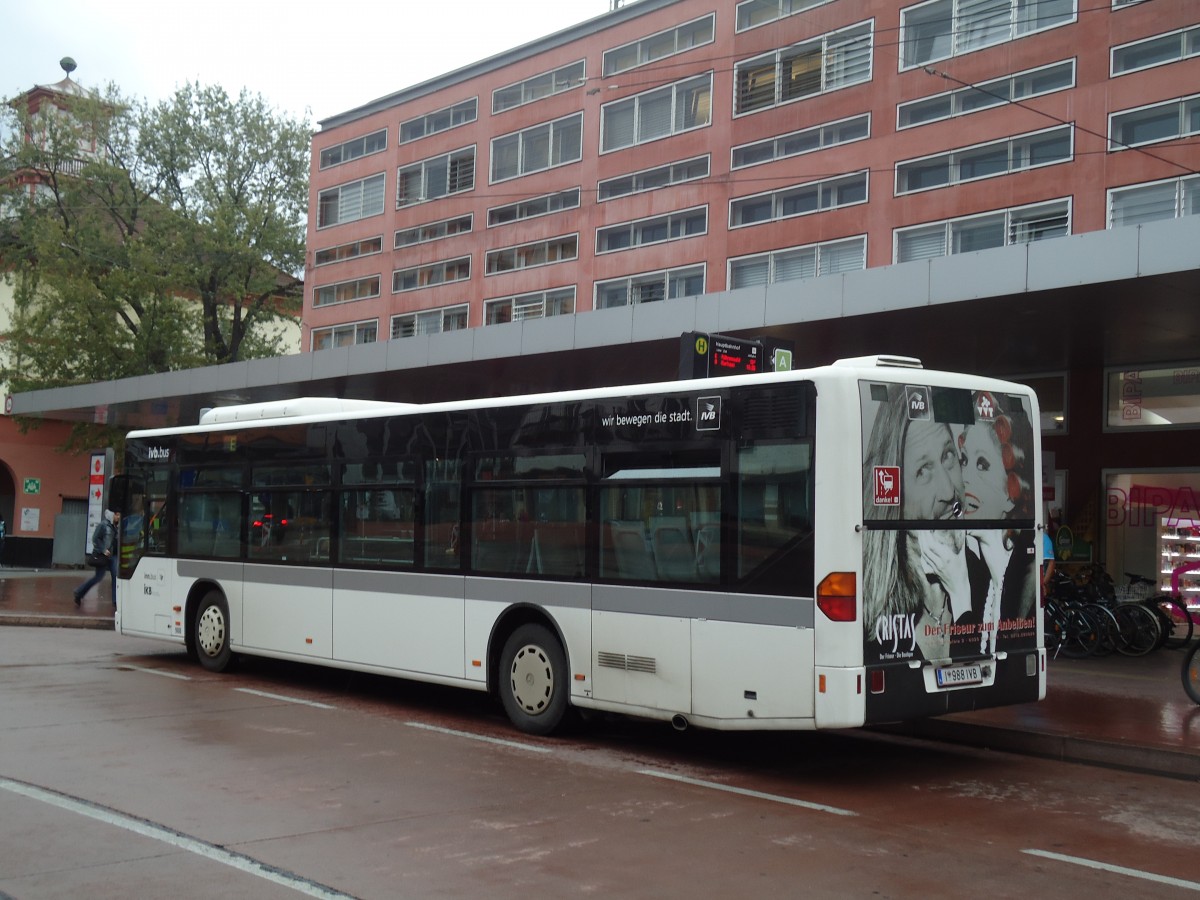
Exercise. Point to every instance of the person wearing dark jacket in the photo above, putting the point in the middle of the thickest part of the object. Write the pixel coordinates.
(104, 544)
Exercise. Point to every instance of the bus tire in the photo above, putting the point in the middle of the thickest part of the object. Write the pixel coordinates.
(210, 632)
(533, 680)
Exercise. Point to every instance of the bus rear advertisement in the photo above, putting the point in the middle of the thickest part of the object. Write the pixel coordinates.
(825, 548)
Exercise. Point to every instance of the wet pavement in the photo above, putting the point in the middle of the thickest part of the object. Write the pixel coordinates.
(1128, 713)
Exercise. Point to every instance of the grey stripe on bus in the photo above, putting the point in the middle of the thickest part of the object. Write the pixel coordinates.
(754, 609)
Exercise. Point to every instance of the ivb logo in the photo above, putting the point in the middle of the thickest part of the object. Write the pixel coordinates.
(708, 413)
(918, 402)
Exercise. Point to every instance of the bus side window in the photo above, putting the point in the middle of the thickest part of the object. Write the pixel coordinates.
(774, 521)
(443, 486)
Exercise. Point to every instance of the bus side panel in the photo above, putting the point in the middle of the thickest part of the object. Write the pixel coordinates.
(148, 600)
(288, 609)
(751, 671)
(399, 620)
(568, 605)
(642, 660)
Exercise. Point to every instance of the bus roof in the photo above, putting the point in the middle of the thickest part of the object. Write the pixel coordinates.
(314, 409)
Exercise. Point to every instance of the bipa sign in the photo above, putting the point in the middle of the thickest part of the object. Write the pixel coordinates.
(887, 485)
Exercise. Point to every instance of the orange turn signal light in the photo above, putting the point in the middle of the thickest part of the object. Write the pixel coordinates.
(837, 596)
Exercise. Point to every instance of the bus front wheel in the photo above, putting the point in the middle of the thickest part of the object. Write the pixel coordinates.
(210, 633)
(533, 679)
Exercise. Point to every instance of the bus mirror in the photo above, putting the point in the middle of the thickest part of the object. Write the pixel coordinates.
(118, 493)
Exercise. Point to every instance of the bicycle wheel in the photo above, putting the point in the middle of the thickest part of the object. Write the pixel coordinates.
(1175, 619)
(1108, 631)
(1081, 634)
(1191, 673)
(1140, 630)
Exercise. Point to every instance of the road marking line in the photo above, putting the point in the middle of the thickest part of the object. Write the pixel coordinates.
(745, 792)
(533, 748)
(1119, 870)
(157, 672)
(173, 838)
(312, 703)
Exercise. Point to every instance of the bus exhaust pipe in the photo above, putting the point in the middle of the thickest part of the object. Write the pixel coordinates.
(679, 723)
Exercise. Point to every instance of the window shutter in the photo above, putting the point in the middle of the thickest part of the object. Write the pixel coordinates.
(618, 125)
(921, 243)
(793, 264)
(844, 256)
(748, 272)
(1144, 204)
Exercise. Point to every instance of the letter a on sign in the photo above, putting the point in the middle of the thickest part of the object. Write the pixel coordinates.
(887, 485)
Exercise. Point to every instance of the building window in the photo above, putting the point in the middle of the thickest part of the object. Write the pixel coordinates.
(1052, 399)
(1156, 51)
(365, 247)
(1028, 151)
(433, 231)
(752, 13)
(345, 335)
(1153, 398)
(686, 281)
(538, 148)
(1151, 124)
(827, 258)
(656, 230)
(944, 28)
(987, 94)
(351, 201)
(564, 78)
(538, 305)
(650, 179)
(1020, 225)
(1170, 199)
(438, 176)
(439, 120)
(430, 321)
(655, 114)
(799, 200)
(346, 291)
(374, 142)
(659, 46)
(538, 253)
(807, 140)
(417, 277)
(533, 207)
(835, 60)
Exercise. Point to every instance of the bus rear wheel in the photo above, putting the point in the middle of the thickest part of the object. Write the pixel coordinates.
(210, 633)
(533, 679)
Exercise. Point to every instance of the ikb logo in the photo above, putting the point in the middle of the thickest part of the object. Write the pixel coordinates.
(887, 485)
(708, 413)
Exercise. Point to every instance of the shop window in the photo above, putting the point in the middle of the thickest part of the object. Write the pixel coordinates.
(1153, 398)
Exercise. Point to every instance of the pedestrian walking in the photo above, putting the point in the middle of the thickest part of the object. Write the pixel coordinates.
(3, 529)
(104, 549)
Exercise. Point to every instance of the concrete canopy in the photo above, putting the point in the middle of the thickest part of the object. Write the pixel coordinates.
(1126, 296)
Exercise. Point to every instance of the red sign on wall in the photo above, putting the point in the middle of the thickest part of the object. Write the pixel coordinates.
(887, 485)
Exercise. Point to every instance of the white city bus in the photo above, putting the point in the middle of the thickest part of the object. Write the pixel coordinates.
(796, 550)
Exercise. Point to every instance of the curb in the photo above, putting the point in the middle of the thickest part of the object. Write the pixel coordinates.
(1062, 747)
(101, 623)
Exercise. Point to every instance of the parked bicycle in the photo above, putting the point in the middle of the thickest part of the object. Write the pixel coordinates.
(1191, 673)
(1173, 615)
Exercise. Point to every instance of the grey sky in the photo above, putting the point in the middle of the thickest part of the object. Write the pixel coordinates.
(308, 58)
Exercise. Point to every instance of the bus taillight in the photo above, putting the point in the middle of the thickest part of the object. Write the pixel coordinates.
(836, 596)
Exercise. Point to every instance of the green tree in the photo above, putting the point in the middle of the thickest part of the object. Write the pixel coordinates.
(145, 238)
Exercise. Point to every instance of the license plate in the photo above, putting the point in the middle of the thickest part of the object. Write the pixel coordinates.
(954, 676)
